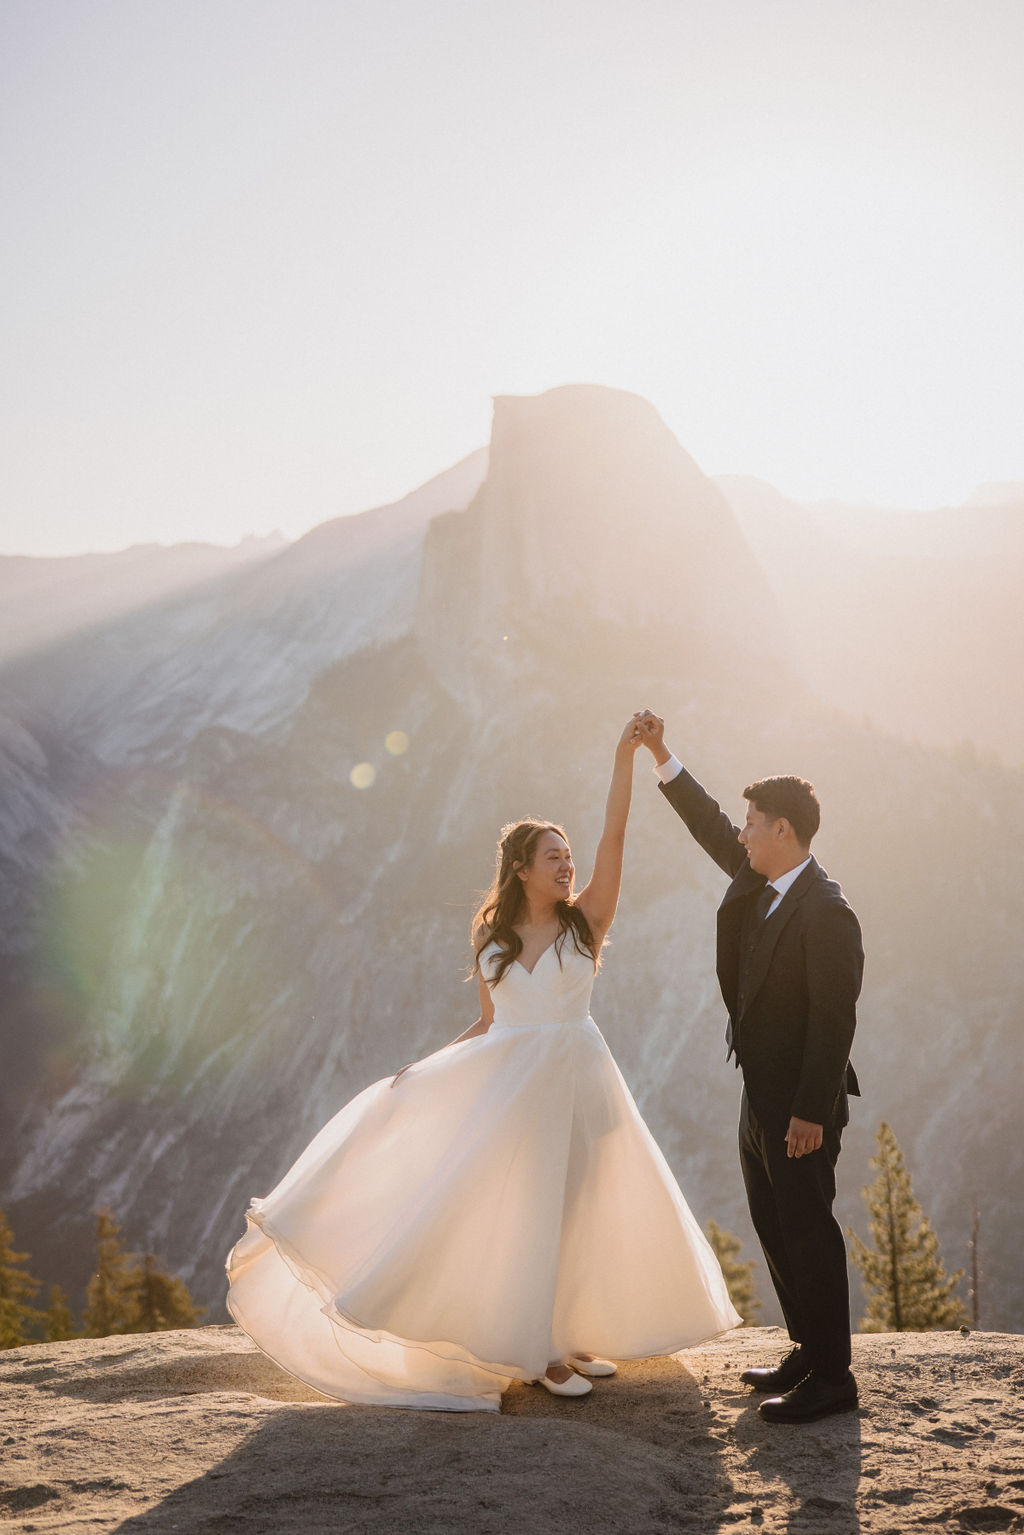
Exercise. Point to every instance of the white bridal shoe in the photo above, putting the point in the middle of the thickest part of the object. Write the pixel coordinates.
(591, 1366)
(574, 1386)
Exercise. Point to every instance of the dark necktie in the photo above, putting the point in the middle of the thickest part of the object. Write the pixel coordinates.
(765, 900)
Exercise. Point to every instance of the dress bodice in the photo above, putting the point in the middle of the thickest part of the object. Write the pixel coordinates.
(556, 991)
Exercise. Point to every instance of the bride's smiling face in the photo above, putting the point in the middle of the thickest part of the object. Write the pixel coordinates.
(549, 876)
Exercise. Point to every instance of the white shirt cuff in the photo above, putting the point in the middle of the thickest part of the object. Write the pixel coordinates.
(666, 771)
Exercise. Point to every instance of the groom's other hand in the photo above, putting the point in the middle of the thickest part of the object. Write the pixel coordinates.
(802, 1138)
(653, 729)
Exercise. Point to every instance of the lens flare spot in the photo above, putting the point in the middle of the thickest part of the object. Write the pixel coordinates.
(362, 775)
(397, 742)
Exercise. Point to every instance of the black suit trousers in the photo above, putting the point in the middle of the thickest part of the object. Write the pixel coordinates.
(790, 1200)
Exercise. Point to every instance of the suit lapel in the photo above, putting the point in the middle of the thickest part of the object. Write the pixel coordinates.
(772, 929)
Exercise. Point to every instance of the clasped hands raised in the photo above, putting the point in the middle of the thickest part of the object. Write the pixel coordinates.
(644, 729)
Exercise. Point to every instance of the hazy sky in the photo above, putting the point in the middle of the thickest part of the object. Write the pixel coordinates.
(266, 261)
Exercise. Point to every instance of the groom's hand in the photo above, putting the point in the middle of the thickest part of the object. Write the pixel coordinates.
(802, 1137)
(653, 729)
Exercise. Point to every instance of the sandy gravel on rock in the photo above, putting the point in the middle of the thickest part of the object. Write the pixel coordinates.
(198, 1432)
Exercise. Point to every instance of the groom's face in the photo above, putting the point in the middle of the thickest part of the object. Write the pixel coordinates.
(760, 837)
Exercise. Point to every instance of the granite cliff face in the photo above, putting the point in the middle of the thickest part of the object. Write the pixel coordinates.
(212, 938)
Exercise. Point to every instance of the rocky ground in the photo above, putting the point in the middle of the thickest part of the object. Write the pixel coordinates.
(198, 1432)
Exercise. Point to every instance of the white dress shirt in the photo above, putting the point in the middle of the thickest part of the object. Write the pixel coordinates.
(782, 884)
(666, 771)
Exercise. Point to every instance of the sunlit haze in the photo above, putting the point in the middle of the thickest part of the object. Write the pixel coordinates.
(267, 263)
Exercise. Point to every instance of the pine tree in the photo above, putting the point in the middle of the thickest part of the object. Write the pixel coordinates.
(908, 1289)
(109, 1304)
(973, 1292)
(58, 1324)
(738, 1276)
(16, 1289)
(160, 1301)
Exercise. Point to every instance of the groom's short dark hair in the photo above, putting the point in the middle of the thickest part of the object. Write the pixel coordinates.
(793, 798)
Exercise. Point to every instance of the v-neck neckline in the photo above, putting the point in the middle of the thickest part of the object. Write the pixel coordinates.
(537, 961)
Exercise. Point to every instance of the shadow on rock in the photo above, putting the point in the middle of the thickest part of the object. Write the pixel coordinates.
(641, 1455)
(820, 1464)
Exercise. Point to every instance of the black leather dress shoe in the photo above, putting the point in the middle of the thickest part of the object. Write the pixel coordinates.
(812, 1398)
(793, 1369)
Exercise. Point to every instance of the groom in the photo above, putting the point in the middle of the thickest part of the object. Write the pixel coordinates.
(790, 962)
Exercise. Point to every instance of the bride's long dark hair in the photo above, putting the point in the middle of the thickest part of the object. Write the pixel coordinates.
(505, 903)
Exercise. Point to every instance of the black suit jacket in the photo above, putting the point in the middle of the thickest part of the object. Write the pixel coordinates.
(790, 981)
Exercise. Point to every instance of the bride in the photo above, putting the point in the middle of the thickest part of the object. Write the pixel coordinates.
(498, 1211)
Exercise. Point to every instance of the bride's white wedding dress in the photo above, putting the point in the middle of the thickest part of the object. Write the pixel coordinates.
(502, 1206)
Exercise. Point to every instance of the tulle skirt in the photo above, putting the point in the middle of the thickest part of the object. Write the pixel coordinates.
(503, 1206)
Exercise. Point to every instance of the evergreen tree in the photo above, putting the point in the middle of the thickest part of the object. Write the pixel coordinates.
(16, 1289)
(908, 1289)
(160, 1301)
(738, 1276)
(58, 1324)
(109, 1304)
(973, 1292)
(128, 1294)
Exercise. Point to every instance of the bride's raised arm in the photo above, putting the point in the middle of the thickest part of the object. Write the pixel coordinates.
(601, 896)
